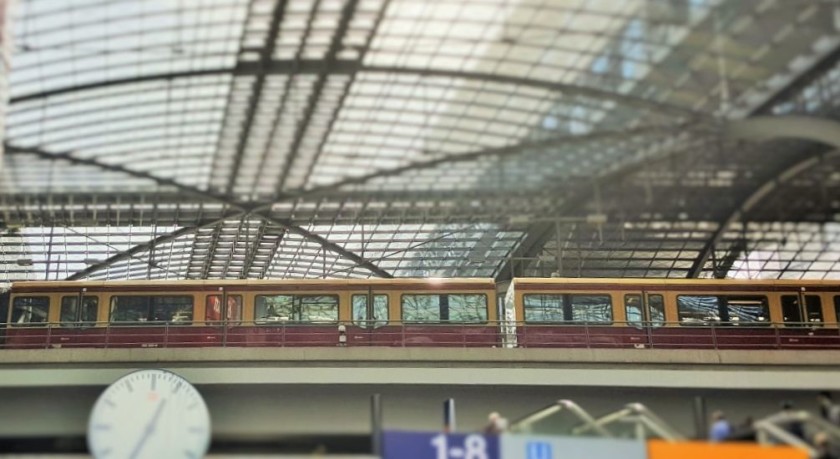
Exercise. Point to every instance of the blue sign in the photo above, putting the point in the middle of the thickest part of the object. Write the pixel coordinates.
(426, 445)
(556, 447)
(538, 450)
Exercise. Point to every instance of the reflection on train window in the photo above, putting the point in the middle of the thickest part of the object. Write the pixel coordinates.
(544, 308)
(152, 309)
(591, 308)
(698, 310)
(751, 310)
(29, 310)
(213, 308)
(568, 308)
(656, 310)
(71, 313)
(633, 309)
(635, 315)
(730, 310)
(296, 309)
(793, 315)
(452, 308)
(380, 310)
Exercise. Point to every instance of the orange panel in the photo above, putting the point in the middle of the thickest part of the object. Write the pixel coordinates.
(698, 450)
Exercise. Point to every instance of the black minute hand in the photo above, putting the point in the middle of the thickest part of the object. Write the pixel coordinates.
(150, 427)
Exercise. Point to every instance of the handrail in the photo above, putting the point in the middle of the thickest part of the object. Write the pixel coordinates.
(635, 413)
(772, 429)
(524, 424)
(500, 334)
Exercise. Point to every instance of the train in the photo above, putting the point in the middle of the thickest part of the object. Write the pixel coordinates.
(532, 313)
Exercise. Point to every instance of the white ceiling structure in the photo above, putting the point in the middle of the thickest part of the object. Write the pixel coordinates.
(210, 139)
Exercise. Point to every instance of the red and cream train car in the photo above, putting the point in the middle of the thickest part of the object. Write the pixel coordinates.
(675, 313)
(394, 312)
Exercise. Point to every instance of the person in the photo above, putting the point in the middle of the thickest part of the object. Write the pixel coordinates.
(721, 429)
(829, 410)
(744, 432)
(823, 446)
(496, 424)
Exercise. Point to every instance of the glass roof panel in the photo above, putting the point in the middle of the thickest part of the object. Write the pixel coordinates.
(419, 106)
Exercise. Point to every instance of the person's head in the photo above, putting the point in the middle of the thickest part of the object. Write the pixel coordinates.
(718, 416)
(787, 405)
(493, 416)
(821, 440)
(824, 397)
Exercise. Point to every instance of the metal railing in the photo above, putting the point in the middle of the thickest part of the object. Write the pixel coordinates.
(412, 334)
(644, 422)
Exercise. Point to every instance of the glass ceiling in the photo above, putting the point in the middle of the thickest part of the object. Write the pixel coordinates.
(355, 138)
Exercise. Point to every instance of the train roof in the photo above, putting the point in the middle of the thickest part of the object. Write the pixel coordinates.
(204, 284)
(670, 283)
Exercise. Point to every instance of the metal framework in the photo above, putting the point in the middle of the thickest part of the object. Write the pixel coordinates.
(354, 138)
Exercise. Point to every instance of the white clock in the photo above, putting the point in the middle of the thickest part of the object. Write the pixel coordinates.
(149, 414)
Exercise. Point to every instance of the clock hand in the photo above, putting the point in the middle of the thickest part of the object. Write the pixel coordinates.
(150, 427)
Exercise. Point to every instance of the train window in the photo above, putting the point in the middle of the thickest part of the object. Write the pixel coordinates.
(380, 310)
(452, 308)
(792, 313)
(813, 309)
(213, 308)
(71, 314)
(837, 307)
(591, 309)
(544, 308)
(318, 308)
(656, 310)
(467, 308)
(790, 309)
(152, 309)
(633, 309)
(296, 308)
(635, 315)
(422, 308)
(274, 308)
(28, 310)
(698, 310)
(752, 310)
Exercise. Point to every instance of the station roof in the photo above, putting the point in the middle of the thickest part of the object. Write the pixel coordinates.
(224, 139)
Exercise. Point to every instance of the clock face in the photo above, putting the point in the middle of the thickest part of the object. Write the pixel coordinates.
(149, 414)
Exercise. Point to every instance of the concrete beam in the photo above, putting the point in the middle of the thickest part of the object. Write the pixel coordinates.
(762, 128)
(661, 368)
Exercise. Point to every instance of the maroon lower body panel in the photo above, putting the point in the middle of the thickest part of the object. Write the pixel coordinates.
(425, 335)
(27, 338)
(580, 336)
(421, 335)
(809, 338)
(722, 337)
(282, 336)
(158, 336)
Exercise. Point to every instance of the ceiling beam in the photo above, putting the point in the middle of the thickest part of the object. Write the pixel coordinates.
(266, 53)
(242, 208)
(350, 67)
(347, 13)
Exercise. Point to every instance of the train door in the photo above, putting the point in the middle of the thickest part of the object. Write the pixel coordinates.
(77, 318)
(836, 299)
(803, 321)
(4, 315)
(645, 313)
(222, 320)
(370, 321)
